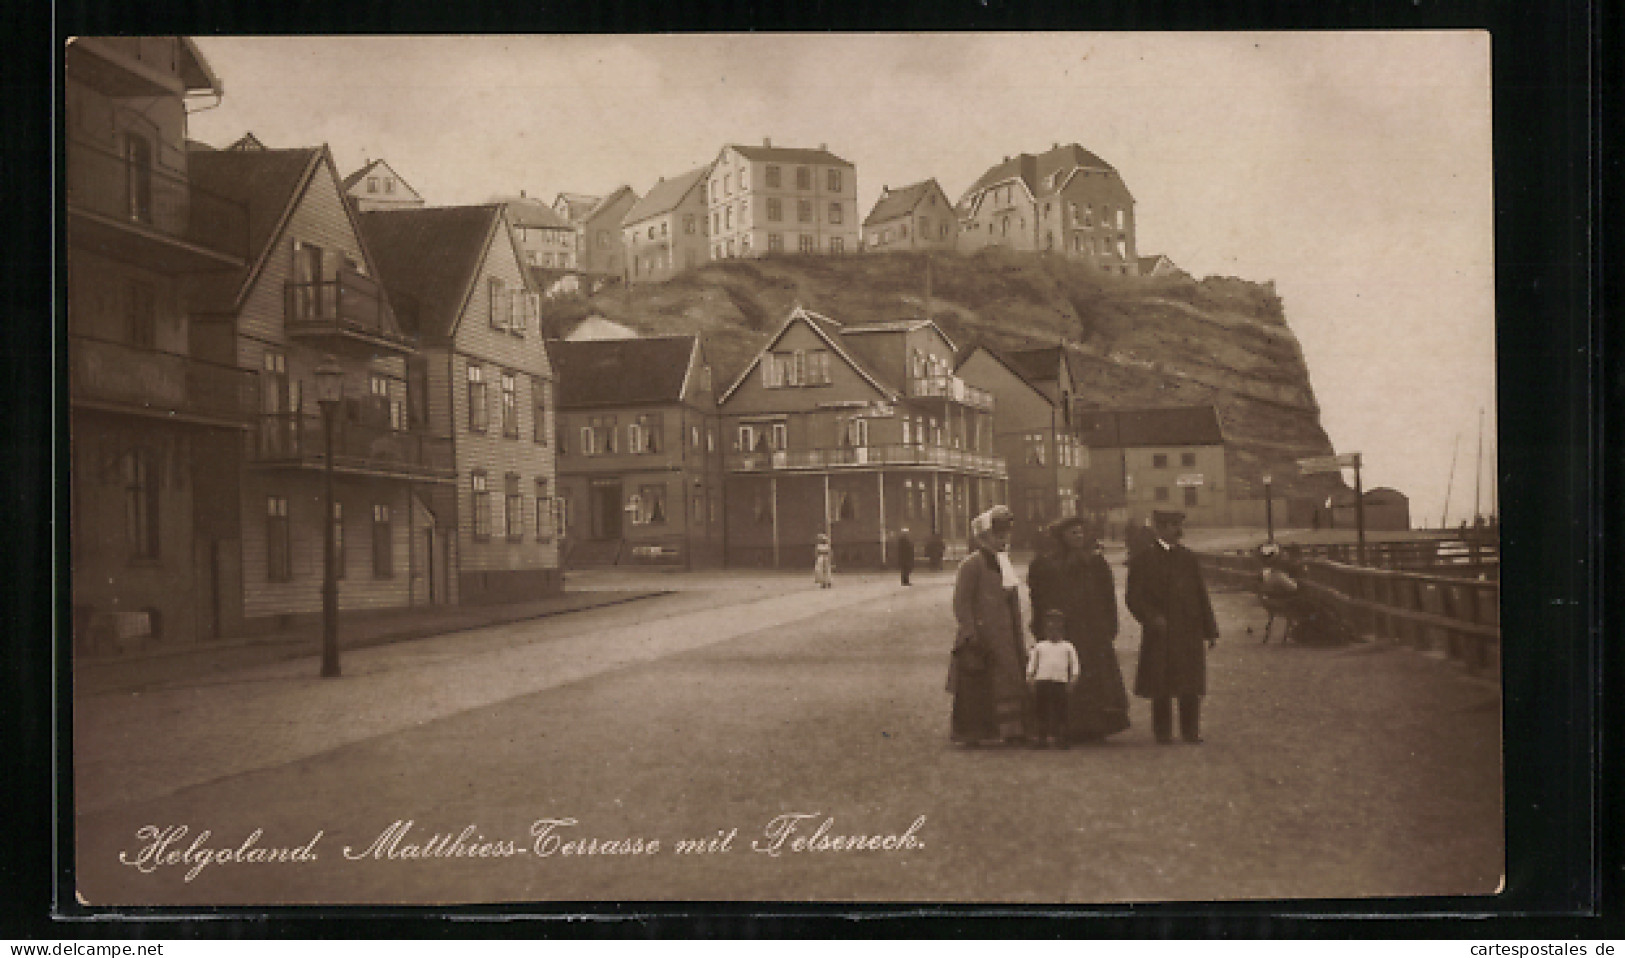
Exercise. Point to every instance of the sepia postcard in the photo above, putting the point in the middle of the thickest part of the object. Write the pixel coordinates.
(973, 469)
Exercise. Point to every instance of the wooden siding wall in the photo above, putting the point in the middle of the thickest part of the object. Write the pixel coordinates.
(496, 351)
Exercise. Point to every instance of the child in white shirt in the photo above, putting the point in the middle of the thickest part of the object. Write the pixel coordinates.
(1052, 668)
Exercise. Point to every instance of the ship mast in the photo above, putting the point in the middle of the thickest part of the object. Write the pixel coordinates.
(1444, 516)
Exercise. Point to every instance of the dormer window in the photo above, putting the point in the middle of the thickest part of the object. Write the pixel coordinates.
(372, 184)
(389, 185)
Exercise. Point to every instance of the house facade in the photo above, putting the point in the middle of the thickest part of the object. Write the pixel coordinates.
(545, 239)
(1032, 434)
(310, 296)
(155, 424)
(378, 187)
(857, 432)
(457, 280)
(1066, 200)
(597, 225)
(765, 200)
(1142, 460)
(914, 217)
(640, 459)
(666, 232)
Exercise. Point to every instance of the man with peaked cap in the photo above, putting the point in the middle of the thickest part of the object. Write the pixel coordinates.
(1166, 595)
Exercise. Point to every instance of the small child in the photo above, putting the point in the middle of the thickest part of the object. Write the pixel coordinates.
(1052, 667)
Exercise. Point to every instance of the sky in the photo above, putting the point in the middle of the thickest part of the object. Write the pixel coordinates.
(1352, 169)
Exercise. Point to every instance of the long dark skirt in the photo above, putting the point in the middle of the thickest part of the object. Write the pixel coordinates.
(1098, 706)
(990, 704)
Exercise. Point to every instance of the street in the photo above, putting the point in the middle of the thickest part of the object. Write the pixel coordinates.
(565, 760)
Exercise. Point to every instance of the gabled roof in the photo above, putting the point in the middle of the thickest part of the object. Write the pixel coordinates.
(898, 326)
(1131, 428)
(1003, 360)
(531, 213)
(787, 154)
(1040, 365)
(594, 373)
(576, 205)
(358, 175)
(1036, 170)
(195, 71)
(355, 177)
(901, 201)
(830, 332)
(604, 203)
(267, 182)
(428, 260)
(248, 141)
(664, 196)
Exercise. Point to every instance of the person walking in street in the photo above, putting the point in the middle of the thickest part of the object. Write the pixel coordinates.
(823, 562)
(905, 554)
(1166, 595)
(1052, 670)
(934, 550)
(987, 676)
(1073, 577)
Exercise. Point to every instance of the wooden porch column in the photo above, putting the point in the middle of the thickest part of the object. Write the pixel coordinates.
(880, 476)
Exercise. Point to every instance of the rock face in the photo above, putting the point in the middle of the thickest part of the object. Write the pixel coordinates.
(1140, 341)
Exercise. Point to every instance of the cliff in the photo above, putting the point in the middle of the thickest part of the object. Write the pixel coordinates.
(1142, 341)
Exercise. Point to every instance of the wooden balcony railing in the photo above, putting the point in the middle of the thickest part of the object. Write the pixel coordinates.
(952, 388)
(158, 383)
(300, 439)
(860, 457)
(348, 304)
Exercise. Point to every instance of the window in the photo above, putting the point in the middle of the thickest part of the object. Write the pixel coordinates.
(908, 438)
(803, 178)
(479, 414)
(772, 176)
(775, 209)
(140, 504)
(716, 222)
(728, 217)
(513, 507)
(338, 540)
(781, 437)
(510, 406)
(138, 170)
(856, 432)
(746, 440)
(1162, 494)
(806, 244)
(589, 441)
(643, 434)
(651, 505)
(1187, 459)
(651, 231)
(1033, 499)
(141, 314)
(775, 243)
(834, 181)
(538, 398)
(482, 505)
(697, 510)
(1159, 461)
(278, 556)
(689, 223)
(1190, 495)
(389, 185)
(501, 306)
(383, 542)
(804, 211)
(544, 511)
(710, 440)
(1034, 443)
(837, 245)
(372, 184)
(694, 437)
(835, 213)
(908, 494)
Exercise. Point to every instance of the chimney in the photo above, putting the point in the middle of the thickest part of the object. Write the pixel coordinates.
(824, 146)
(767, 141)
(521, 194)
(1055, 146)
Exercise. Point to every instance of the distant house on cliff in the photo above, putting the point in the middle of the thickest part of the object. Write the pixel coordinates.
(1160, 265)
(918, 216)
(1066, 200)
(378, 187)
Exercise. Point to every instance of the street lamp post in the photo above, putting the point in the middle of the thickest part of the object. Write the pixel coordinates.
(329, 393)
(1269, 510)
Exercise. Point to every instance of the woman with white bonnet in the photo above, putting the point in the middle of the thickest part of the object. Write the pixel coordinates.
(988, 674)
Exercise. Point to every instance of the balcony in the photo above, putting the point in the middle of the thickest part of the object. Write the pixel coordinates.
(951, 388)
(150, 216)
(867, 457)
(123, 378)
(298, 440)
(347, 311)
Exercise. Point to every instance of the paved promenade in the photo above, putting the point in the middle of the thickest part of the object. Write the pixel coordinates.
(736, 698)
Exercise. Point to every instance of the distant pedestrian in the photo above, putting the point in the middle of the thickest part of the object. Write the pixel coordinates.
(934, 550)
(988, 673)
(823, 562)
(1073, 577)
(1166, 595)
(1052, 671)
(905, 554)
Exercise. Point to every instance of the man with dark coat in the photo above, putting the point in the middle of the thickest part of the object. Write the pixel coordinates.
(905, 554)
(1166, 595)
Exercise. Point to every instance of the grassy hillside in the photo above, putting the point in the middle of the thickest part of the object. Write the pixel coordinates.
(1144, 341)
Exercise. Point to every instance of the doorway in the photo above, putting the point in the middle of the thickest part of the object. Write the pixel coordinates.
(606, 510)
